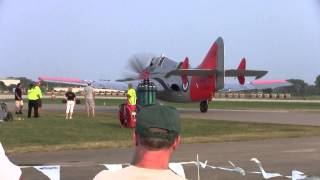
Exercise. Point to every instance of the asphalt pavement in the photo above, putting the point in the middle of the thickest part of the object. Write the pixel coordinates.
(281, 156)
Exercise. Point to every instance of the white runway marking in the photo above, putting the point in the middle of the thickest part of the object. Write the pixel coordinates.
(251, 110)
(301, 151)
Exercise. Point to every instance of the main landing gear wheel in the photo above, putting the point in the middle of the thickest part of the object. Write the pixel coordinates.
(204, 106)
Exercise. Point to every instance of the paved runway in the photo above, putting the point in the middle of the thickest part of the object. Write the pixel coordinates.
(298, 117)
(282, 156)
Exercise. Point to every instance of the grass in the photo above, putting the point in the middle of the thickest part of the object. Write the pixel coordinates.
(216, 104)
(219, 104)
(52, 132)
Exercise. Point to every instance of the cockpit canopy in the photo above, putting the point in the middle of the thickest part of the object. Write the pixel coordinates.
(157, 61)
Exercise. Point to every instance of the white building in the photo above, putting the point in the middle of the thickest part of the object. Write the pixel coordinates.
(9, 82)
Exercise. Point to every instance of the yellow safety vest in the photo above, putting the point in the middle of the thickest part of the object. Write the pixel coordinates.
(133, 97)
(38, 91)
(32, 94)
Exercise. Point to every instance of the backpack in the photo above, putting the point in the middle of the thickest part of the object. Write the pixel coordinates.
(4, 114)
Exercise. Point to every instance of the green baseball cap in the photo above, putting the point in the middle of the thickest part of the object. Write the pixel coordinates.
(158, 116)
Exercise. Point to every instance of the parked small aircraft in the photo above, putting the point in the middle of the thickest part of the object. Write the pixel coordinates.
(177, 82)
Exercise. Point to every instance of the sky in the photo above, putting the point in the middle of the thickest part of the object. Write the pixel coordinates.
(93, 39)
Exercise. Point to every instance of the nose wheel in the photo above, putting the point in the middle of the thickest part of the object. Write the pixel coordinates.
(204, 106)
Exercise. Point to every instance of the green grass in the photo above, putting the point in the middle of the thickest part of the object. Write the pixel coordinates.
(216, 104)
(52, 132)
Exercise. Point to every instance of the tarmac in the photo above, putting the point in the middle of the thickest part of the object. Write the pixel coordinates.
(296, 117)
(280, 155)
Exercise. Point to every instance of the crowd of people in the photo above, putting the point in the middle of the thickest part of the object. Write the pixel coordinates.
(34, 97)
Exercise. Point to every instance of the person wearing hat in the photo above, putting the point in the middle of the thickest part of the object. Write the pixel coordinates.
(156, 137)
(131, 96)
(89, 97)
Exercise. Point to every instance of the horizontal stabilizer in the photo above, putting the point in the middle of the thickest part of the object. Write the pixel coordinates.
(256, 85)
(191, 72)
(235, 73)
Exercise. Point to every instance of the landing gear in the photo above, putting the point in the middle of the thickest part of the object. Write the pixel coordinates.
(204, 106)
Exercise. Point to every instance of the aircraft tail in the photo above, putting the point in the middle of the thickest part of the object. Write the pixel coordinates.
(211, 66)
(242, 67)
(215, 60)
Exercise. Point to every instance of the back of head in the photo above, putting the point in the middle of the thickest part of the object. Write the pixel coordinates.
(158, 126)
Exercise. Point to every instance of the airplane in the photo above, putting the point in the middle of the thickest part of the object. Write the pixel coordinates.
(178, 82)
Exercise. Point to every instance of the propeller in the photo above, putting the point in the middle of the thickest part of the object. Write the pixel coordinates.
(137, 66)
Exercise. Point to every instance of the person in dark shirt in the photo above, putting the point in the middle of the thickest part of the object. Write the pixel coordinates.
(71, 101)
(18, 99)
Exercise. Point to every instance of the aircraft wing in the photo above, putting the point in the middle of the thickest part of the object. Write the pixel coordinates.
(256, 85)
(127, 80)
(121, 86)
(63, 80)
(210, 72)
(112, 85)
(191, 72)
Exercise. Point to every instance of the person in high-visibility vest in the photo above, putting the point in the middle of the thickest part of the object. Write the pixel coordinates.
(131, 97)
(33, 97)
(39, 92)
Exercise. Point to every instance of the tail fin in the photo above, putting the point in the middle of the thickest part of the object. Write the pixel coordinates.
(185, 63)
(242, 67)
(184, 78)
(215, 60)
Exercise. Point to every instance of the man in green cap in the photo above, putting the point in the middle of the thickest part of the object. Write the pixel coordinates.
(156, 136)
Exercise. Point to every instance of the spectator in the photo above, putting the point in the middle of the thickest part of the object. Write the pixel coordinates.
(71, 101)
(156, 137)
(33, 97)
(18, 99)
(131, 97)
(89, 97)
(39, 94)
(53, 95)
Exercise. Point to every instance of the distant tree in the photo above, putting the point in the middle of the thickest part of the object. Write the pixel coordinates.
(25, 82)
(317, 82)
(11, 87)
(312, 91)
(3, 87)
(299, 87)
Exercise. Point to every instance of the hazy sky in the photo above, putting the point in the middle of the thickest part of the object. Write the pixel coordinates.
(93, 39)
